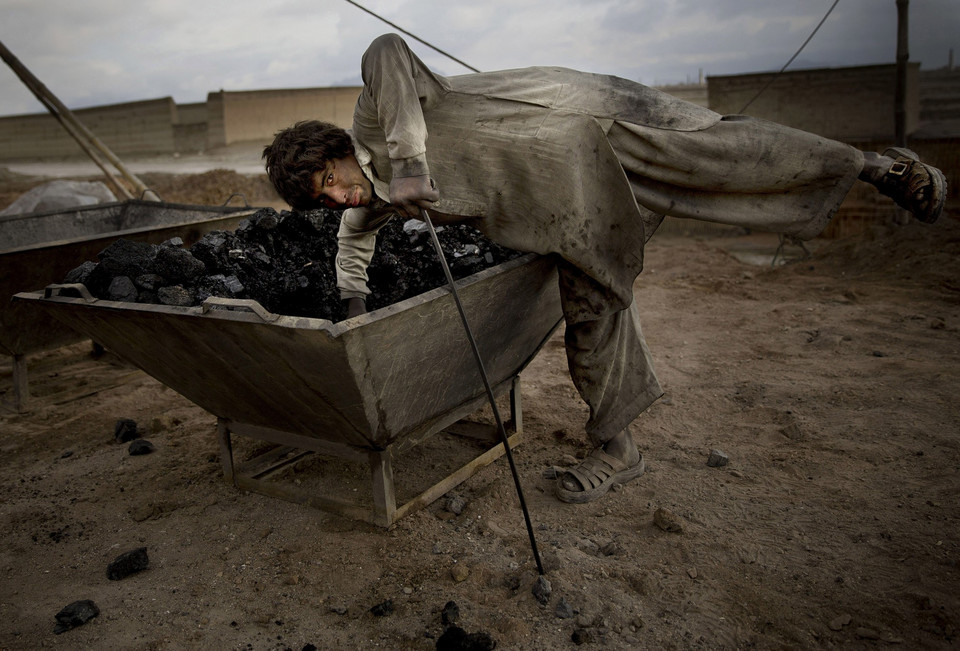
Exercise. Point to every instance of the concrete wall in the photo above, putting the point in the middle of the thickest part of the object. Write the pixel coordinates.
(124, 128)
(258, 115)
(842, 103)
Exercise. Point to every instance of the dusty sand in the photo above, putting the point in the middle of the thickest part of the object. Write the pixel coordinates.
(830, 383)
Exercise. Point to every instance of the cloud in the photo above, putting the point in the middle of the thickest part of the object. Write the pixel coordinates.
(105, 51)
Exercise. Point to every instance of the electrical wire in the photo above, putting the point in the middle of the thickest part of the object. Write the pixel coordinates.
(815, 29)
(397, 27)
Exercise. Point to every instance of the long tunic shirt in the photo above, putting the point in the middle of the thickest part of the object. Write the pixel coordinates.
(557, 161)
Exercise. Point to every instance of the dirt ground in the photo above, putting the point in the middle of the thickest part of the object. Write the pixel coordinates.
(830, 383)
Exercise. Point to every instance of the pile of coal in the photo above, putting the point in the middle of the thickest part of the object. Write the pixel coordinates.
(284, 261)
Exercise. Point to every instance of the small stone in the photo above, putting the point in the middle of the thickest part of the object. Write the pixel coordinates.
(128, 563)
(692, 572)
(542, 589)
(459, 572)
(125, 430)
(612, 549)
(75, 614)
(339, 609)
(717, 459)
(139, 447)
(455, 504)
(865, 633)
(563, 610)
(667, 521)
(837, 623)
(793, 432)
(383, 608)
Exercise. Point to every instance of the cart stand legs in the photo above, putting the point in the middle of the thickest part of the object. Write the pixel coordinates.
(21, 387)
(384, 496)
(385, 509)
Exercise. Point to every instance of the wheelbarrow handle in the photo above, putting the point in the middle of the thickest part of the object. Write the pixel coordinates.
(239, 303)
(58, 289)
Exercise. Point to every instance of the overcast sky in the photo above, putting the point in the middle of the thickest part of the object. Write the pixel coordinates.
(94, 52)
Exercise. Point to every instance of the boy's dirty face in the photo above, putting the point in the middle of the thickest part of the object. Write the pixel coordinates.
(341, 184)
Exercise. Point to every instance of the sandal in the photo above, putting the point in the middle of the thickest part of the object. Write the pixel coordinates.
(914, 186)
(597, 474)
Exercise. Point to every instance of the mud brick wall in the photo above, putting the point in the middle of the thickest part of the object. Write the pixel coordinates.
(842, 103)
(257, 115)
(131, 127)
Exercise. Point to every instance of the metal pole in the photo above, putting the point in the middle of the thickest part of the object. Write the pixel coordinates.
(903, 58)
(62, 113)
(486, 384)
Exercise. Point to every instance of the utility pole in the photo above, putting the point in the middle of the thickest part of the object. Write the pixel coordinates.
(903, 58)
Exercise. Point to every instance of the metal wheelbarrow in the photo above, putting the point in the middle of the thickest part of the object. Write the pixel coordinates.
(38, 247)
(366, 390)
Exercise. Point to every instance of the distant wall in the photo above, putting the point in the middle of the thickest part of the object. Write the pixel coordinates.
(842, 103)
(161, 126)
(124, 128)
(257, 115)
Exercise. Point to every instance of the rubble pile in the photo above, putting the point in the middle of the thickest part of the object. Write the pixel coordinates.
(284, 261)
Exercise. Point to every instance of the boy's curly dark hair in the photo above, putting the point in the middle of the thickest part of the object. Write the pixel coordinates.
(297, 153)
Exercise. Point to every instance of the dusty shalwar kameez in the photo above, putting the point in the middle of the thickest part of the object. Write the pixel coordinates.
(556, 161)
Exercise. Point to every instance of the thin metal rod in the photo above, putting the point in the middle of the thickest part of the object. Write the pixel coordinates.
(411, 35)
(486, 384)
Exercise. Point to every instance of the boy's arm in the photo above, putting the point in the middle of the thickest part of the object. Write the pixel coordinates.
(356, 241)
(395, 86)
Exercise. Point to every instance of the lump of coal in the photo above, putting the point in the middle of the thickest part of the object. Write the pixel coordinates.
(81, 273)
(127, 258)
(383, 608)
(76, 614)
(457, 639)
(128, 563)
(125, 430)
(285, 262)
(450, 613)
(177, 265)
(542, 589)
(140, 447)
(122, 289)
(175, 295)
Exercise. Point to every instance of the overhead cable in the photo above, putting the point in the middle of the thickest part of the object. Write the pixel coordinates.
(815, 29)
(397, 27)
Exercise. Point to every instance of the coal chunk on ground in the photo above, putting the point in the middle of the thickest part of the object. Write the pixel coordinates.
(285, 261)
(128, 563)
(457, 639)
(450, 613)
(383, 608)
(75, 614)
(125, 430)
(140, 447)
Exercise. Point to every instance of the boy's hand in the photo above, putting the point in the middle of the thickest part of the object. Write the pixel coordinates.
(356, 307)
(411, 193)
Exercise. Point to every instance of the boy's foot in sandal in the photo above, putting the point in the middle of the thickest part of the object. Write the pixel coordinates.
(616, 462)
